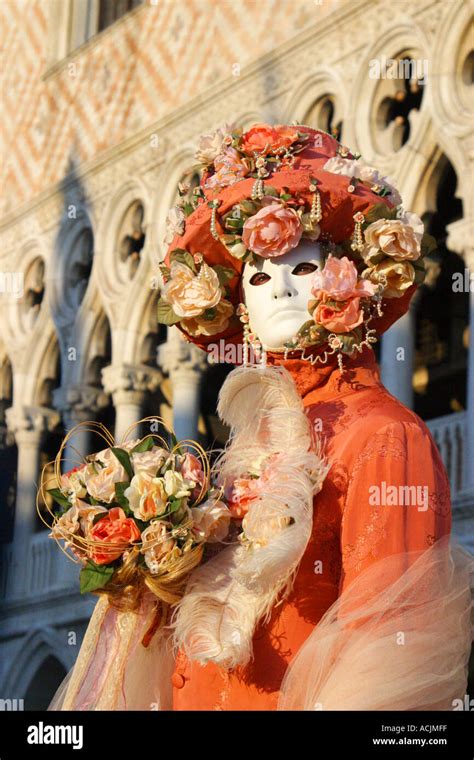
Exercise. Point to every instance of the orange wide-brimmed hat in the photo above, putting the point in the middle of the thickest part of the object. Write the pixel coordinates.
(262, 191)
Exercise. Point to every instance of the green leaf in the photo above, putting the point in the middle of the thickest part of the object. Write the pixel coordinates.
(224, 274)
(165, 313)
(124, 460)
(59, 497)
(94, 576)
(144, 445)
(121, 498)
(209, 314)
(183, 257)
(380, 211)
(428, 244)
(174, 441)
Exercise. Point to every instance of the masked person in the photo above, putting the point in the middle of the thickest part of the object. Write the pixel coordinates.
(341, 590)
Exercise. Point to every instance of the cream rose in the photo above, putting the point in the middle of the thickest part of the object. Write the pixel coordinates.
(175, 485)
(150, 461)
(210, 145)
(211, 521)
(146, 496)
(397, 238)
(199, 326)
(77, 520)
(157, 544)
(399, 275)
(175, 223)
(190, 294)
(74, 482)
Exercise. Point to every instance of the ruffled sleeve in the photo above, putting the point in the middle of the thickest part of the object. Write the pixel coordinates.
(398, 637)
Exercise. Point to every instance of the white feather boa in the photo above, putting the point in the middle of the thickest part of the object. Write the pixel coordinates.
(231, 593)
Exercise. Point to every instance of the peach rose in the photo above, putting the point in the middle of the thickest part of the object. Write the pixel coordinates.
(211, 521)
(116, 532)
(398, 238)
(199, 326)
(264, 139)
(101, 486)
(157, 544)
(339, 281)
(343, 320)
(400, 275)
(190, 294)
(272, 231)
(244, 491)
(229, 168)
(146, 496)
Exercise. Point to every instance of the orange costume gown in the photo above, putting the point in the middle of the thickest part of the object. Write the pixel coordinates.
(369, 438)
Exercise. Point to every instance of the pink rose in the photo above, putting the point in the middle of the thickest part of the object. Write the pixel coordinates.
(272, 231)
(229, 168)
(340, 321)
(339, 281)
(191, 469)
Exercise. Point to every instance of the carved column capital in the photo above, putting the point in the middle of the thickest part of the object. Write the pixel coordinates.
(78, 403)
(129, 383)
(178, 357)
(29, 423)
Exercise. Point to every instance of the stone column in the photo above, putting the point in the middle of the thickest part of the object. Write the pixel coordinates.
(78, 403)
(397, 357)
(129, 385)
(461, 239)
(185, 364)
(28, 425)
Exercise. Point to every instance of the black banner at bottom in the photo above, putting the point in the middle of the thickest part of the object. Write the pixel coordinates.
(377, 734)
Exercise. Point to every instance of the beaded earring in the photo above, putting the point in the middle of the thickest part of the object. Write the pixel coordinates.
(251, 343)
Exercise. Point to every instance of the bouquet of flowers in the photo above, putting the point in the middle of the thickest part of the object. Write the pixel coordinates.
(136, 515)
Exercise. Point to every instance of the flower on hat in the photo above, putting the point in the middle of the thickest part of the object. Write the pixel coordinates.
(264, 139)
(340, 319)
(338, 280)
(229, 168)
(191, 294)
(175, 223)
(398, 238)
(357, 168)
(272, 231)
(211, 323)
(397, 276)
(210, 145)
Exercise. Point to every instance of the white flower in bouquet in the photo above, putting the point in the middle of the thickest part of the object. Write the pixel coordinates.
(150, 461)
(211, 520)
(146, 496)
(157, 544)
(74, 483)
(177, 486)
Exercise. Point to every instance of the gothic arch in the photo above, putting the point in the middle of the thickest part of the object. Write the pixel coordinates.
(310, 90)
(398, 40)
(111, 274)
(35, 647)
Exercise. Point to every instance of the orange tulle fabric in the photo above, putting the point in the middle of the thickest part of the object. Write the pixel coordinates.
(370, 438)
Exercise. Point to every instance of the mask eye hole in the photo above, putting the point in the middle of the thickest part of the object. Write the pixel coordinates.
(259, 278)
(305, 267)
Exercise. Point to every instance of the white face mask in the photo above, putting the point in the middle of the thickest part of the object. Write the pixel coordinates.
(277, 291)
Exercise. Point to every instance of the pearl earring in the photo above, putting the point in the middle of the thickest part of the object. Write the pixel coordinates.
(251, 343)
